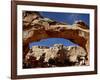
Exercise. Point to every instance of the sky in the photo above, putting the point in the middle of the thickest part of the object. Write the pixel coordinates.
(68, 18)
(51, 41)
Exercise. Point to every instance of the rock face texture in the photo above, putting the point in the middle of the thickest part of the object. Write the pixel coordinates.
(36, 27)
(57, 55)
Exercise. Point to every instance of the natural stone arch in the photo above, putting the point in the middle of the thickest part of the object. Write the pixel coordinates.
(36, 27)
(78, 35)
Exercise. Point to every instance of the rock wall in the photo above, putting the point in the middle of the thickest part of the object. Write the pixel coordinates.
(57, 55)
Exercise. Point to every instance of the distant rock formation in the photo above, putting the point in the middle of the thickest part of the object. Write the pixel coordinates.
(36, 27)
(57, 55)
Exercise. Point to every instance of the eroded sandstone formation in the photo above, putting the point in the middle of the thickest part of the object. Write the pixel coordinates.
(36, 27)
(57, 55)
